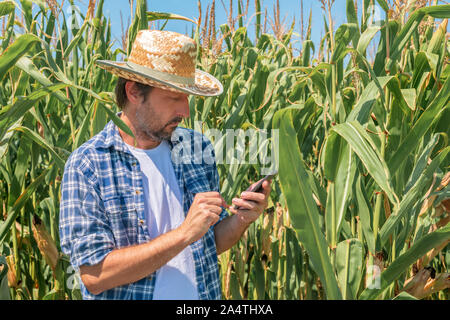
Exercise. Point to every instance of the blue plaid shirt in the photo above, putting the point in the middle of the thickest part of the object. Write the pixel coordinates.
(102, 206)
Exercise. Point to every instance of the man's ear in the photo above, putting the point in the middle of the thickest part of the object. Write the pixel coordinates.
(133, 94)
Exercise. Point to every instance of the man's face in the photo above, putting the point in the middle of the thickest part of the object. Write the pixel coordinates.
(159, 115)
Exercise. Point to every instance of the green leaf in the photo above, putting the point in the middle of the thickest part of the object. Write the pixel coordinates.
(421, 126)
(4, 289)
(352, 17)
(81, 135)
(421, 69)
(28, 66)
(369, 96)
(440, 12)
(44, 144)
(4, 142)
(14, 211)
(302, 208)
(438, 38)
(343, 36)
(404, 296)
(75, 40)
(383, 4)
(3, 271)
(365, 214)
(140, 22)
(234, 287)
(16, 50)
(11, 113)
(366, 38)
(362, 145)
(399, 265)
(339, 169)
(117, 121)
(104, 98)
(394, 87)
(6, 7)
(153, 15)
(410, 98)
(422, 162)
(410, 198)
(257, 276)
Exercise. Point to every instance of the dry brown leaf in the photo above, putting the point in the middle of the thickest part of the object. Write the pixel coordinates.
(45, 243)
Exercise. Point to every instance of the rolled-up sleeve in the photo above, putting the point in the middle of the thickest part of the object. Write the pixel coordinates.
(85, 234)
(215, 181)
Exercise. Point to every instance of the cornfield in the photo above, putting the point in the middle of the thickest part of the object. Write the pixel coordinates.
(360, 208)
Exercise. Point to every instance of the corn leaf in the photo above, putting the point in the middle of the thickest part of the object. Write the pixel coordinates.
(28, 66)
(365, 214)
(153, 15)
(13, 212)
(410, 198)
(10, 114)
(302, 209)
(440, 11)
(6, 7)
(349, 266)
(42, 143)
(421, 126)
(16, 50)
(4, 289)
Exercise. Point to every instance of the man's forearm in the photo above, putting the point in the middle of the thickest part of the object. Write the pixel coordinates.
(131, 264)
(228, 232)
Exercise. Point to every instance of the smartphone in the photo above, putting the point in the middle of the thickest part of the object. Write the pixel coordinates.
(258, 187)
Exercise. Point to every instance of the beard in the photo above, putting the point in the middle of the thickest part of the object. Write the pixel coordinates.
(149, 124)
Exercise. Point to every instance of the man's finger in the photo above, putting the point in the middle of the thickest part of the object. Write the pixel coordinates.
(241, 204)
(214, 209)
(208, 194)
(253, 196)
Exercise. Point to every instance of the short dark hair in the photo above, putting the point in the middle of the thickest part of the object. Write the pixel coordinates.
(121, 94)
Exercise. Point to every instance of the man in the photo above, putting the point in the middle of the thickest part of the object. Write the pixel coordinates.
(141, 217)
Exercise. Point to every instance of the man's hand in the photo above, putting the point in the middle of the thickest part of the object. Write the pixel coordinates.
(204, 212)
(251, 204)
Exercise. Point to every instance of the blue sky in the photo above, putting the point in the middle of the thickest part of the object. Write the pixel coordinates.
(188, 8)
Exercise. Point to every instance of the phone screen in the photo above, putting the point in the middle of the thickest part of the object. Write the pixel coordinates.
(258, 187)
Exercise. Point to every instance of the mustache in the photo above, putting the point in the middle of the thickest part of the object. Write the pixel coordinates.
(174, 121)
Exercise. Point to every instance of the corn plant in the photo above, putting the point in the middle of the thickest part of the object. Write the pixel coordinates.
(53, 99)
(363, 157)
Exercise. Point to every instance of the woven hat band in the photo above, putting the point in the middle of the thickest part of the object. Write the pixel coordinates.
(161, 75)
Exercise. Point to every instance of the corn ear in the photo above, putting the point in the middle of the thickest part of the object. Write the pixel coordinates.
(45, 243)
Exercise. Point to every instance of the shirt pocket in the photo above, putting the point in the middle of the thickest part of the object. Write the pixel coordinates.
(195, 188)
(123, 219)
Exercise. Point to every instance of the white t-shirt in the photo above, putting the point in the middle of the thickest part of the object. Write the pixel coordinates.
(164, 212)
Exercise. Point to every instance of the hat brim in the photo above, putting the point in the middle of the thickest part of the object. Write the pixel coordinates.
(205, 84)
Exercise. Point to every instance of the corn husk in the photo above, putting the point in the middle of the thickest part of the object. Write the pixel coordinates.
(12, 278)
(424, 284)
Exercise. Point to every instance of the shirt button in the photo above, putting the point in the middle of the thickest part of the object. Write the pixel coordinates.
(134, 164)
(141, 222)
(138, 192)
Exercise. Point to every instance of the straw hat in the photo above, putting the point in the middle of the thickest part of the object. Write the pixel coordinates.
(166, 60)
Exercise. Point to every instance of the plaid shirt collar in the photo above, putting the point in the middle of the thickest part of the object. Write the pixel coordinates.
(113, 139)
